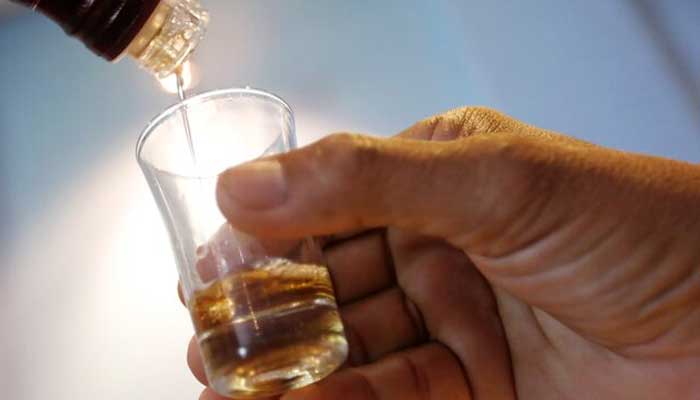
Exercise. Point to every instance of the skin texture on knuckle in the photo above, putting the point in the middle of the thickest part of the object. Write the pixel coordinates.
(482, 119)
(468, 121)
(347, 159)
(511, 163)
(474, 121)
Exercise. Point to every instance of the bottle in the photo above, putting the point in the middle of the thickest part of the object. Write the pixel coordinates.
(158, 34)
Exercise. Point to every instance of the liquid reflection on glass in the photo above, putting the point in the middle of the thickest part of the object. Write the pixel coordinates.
(263, 310)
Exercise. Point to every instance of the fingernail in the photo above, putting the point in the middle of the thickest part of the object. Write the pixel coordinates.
(254, 185)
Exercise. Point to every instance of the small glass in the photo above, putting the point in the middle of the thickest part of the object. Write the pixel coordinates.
(263, 310)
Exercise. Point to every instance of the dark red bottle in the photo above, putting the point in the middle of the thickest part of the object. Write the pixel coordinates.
(160, 34)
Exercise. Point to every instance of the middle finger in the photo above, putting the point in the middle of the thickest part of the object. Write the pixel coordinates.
(360, 266)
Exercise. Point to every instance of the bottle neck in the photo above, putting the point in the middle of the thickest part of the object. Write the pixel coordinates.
(106, 27)
(158, 34)
(169, 36)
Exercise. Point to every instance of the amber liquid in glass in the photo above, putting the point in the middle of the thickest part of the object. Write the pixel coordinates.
(268, 329)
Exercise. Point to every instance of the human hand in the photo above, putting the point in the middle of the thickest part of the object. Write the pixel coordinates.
(495, 260)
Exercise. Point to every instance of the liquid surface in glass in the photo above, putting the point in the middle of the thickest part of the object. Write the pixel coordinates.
(269, 328)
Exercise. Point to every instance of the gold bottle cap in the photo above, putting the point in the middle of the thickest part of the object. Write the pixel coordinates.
(169, 36)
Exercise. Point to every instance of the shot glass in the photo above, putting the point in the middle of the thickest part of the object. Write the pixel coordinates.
(263, 310)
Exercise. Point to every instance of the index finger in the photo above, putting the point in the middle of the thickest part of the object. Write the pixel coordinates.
(469, 121)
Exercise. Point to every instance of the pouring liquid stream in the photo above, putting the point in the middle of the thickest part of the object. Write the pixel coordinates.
(185, 120)
(180, 85)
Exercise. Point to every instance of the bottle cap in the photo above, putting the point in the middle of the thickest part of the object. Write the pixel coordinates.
(169, 36)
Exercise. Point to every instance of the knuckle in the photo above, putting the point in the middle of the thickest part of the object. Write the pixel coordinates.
(419, 376)
(467, 121)
(521, 168)
(346, 155)
(476, 120)
(507, 154)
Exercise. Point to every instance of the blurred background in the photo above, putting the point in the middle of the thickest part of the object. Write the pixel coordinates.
(87, 279)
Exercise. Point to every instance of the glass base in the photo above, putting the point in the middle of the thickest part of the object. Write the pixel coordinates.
(242, 383)
(268, 329)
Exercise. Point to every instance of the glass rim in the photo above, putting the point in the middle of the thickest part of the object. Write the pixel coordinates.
(198, 99)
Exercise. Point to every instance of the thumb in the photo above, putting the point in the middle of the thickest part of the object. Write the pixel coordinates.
(467, 190)
(489, 193)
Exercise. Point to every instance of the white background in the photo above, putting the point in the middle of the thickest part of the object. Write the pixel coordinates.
(87, 281)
